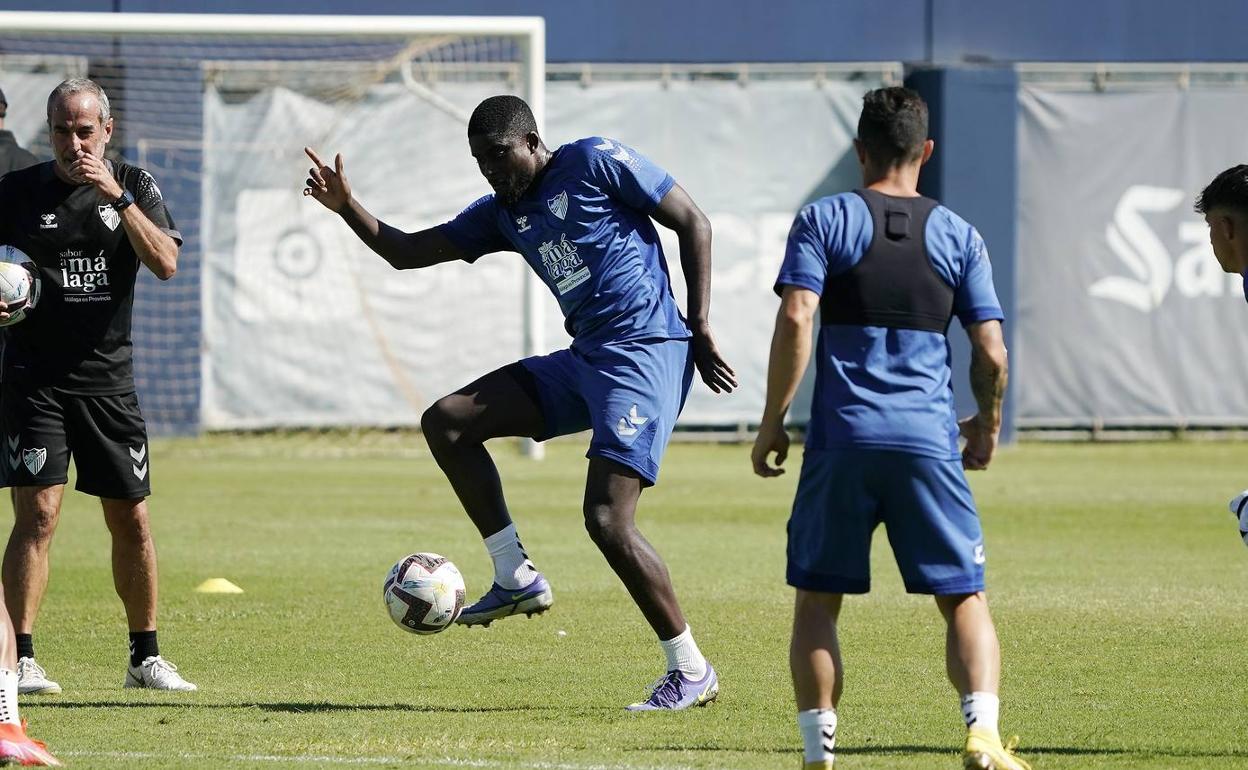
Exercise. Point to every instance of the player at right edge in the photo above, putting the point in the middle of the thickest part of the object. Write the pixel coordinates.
(1224, 202)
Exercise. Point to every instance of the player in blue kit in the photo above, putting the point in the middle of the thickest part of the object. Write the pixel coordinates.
(581, 217)
(1224, 203)
(887, 270)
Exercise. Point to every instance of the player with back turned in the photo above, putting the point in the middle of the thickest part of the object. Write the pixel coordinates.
(887, 270)
(581, 217)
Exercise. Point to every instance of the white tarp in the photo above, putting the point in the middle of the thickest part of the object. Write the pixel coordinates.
(1124, 317)
(304, 326)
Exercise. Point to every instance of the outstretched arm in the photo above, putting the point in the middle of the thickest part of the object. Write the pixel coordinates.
(989, 373)
(790, 354)
(678, 212)
(402, 250)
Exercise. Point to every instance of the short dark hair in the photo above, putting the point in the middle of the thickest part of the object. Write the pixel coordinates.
(505, 117)
(73, 86)
(1228, 190)
(893, 125)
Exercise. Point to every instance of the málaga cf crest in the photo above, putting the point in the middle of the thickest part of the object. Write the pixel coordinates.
(109, 216)
(34, 459)
(559, 204)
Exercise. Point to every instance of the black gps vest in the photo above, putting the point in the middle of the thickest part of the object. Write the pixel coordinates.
(894, 285)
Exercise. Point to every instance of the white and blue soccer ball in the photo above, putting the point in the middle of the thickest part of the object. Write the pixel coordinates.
(1239, 507)
(19, 286)
(424, 593)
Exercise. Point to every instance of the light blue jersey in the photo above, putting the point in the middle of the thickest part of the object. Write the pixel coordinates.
(877, 387)
(585, 228)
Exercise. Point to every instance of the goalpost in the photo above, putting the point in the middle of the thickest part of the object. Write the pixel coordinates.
(218, 107)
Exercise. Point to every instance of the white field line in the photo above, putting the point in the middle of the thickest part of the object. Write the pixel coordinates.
(335, 760)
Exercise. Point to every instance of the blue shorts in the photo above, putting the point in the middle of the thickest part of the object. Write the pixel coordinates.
(924, 504)
(630, 394)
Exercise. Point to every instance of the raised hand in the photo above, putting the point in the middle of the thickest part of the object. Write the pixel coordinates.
(715, 371)
(327, 185)
(92, 170)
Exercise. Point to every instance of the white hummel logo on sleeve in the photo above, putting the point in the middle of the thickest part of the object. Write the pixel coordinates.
(620, 153)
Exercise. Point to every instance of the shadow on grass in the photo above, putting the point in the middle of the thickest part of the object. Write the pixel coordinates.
(291, 708)
(904, 749)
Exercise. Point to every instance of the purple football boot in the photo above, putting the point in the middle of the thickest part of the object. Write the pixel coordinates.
(676, 691)
(499, 602)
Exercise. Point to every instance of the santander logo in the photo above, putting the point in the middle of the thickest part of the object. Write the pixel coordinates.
(1151, 271)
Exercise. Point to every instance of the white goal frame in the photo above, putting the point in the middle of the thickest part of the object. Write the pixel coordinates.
(528, 31)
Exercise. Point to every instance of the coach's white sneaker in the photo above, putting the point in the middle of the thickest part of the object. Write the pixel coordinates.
(32, 679)
(156, 673)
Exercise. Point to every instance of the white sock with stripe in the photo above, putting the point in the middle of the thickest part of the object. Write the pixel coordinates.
(818, 728)
(512, 568)
(8, 697)
(981, 709)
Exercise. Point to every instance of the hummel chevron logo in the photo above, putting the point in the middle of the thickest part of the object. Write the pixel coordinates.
(14, 459)
(140, 467)
(620, 153)
(627, 426)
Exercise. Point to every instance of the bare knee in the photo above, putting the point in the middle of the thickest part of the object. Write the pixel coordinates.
(444, 426)
(815, 606)
(127, 520)
(606, 527)
(953, 605)
(35, 519)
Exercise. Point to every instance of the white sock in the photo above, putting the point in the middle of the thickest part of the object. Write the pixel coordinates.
(8, 697)
(818, 728)
(512, 568)
(981, 709)
(683, 655)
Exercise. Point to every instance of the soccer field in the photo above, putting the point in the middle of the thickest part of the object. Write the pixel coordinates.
(1116, 574)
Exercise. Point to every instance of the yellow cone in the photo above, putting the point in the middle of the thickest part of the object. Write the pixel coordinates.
(217, 586)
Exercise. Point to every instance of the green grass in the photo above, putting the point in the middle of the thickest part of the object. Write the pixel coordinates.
(1116, 577)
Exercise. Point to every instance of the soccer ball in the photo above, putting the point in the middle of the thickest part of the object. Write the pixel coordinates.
(1239, 508)
(424, 593)
(19, 287)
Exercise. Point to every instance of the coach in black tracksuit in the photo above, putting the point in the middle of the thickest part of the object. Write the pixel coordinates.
(68, 378)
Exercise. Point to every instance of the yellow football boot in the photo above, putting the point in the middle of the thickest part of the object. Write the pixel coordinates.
(984, 752)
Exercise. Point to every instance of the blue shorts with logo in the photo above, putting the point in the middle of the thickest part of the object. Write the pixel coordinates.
(924, 504)
(629, 393)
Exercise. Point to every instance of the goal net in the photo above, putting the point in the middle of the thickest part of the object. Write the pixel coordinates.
(278, 315)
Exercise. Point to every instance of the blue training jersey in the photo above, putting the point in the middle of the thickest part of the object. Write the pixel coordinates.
(877, 387)
(585, 228)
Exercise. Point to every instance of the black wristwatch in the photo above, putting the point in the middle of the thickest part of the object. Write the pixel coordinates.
(125, 200)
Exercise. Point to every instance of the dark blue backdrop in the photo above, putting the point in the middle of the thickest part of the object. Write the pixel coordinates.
(931, 31)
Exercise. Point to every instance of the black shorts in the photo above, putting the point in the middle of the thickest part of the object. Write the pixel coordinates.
(105, 435)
